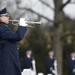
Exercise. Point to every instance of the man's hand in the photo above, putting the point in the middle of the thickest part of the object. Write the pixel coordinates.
(22, 22)
(53, 71)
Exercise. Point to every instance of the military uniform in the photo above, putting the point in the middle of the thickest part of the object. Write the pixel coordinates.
(71, 65)
(9, 58)
(50, 64)
(27, 62)
(28, 66)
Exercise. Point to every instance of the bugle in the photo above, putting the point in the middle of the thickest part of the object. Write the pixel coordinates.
(30, 23)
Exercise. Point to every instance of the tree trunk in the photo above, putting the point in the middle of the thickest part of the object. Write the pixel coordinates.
(58, 48)
(57, 37)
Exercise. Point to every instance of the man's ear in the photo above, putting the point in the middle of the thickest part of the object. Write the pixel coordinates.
(0, 19)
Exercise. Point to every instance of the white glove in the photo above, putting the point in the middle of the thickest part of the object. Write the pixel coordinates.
(22, 22)
(33, 61)
(53, 71)
(55, 63)
(51, 68)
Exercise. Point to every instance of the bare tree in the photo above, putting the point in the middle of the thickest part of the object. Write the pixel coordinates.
(59, 17)
(42, 9)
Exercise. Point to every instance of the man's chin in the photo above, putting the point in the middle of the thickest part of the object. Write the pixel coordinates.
(7, 23)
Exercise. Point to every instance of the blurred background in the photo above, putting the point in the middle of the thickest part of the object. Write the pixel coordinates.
(56, 32)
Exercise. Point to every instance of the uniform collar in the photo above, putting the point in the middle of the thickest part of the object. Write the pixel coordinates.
(2, 22)
(51, 57)
(28, 56)
(73, 58)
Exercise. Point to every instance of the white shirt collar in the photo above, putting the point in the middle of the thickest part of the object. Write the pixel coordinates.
(28, 56)
(73, 58)
(51, 57)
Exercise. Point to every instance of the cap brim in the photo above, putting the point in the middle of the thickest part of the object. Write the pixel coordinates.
(4, 14)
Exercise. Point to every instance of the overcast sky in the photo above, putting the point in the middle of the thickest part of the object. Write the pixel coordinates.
(70, 10)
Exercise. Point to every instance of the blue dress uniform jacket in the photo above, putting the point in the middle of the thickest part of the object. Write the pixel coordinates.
(49, 65)
(71, 66)
(9, 59)
(27, 62)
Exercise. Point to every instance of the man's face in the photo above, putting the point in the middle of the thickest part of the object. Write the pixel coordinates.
(4, 19)
(73, 55)
(51, 53)
(29, 53)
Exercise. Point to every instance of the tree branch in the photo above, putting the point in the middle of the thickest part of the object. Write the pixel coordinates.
(63, 5)
(47, 5)
(35, 13)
